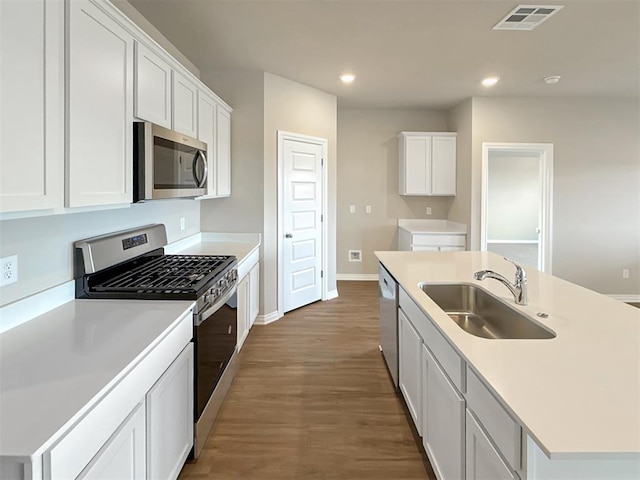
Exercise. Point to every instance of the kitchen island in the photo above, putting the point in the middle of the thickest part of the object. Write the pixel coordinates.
(575, 398)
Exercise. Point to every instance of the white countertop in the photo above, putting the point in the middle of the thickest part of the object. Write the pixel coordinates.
(58, 365)
(577, 394)
(417, 225)
(208, 243)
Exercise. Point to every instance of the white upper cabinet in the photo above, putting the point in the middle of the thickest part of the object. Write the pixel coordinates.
(152, 87)
(214, 128)
(427, 163)
(223, 151)
(32, 113)
(185, 105)
(100, 108)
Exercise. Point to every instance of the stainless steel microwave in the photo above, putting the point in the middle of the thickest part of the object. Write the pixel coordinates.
(167, 164)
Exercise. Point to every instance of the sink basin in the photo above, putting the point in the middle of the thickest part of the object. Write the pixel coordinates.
(482, 314)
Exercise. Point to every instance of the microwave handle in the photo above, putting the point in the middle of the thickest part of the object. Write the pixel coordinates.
(200, 182)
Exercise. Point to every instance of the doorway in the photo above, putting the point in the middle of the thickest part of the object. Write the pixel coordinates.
(301, 227)
(517, 202)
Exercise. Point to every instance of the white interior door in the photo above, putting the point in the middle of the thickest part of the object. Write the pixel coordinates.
(302, 189)
(516, 219)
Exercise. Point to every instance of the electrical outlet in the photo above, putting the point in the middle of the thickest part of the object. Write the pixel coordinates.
(355, 255)
(625, 273)
(352, 209)
(182, 224)
(428, 210)
(367, 209)
(9, 270)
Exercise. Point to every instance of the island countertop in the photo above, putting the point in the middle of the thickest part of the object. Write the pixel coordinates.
(577, 394)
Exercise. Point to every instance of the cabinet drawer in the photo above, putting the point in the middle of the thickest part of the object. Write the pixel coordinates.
(438, 240)
(503, 430)
(448, 358)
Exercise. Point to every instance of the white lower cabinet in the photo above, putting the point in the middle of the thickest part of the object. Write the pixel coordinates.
(243, 310)
(483, 461)
(123, 456)
(254, 294)
(443, 420)
(170, 418)
(410, 374)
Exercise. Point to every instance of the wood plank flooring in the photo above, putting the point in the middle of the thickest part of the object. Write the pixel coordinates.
(313, 400)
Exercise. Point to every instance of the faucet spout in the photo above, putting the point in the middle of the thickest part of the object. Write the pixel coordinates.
(518, 289)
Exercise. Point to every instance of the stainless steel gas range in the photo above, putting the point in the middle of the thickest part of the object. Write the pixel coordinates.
(132, 265)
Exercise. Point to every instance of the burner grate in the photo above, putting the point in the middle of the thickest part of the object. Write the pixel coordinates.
(166, 274)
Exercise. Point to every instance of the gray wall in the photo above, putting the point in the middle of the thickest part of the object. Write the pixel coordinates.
(263, 104)
(296, 108)
(44, 245)
(596, 180)
(368, 175)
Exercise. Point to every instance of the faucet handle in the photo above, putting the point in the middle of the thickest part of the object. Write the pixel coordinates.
(520, 273)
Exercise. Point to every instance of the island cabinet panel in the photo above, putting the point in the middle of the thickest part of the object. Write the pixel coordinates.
(483, 462)
(100, 108)
(32, 114)
(443, 417)
(123, 456)
(152, 87)
(502, 429)
(410, 375)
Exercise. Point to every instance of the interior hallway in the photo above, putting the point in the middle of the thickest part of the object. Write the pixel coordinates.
(313, 400)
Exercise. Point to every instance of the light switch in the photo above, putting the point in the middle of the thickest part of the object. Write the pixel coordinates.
(352, 209)
(367, 209)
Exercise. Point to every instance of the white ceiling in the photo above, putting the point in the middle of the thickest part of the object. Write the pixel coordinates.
(411, 53)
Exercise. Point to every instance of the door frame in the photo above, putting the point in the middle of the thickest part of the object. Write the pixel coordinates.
(324, 143)
(545, 152)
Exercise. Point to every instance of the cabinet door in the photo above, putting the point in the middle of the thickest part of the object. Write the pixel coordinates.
(100, 108)
(243, 310)
(185, 105)
(417, 165)
(443, 166)
(410, 374)
(254, 294)
(170, 418)
(206, 133)
(32, 113)
(483, 461)
(152, 87)
(443, 420)
(223, 152)
(123, 456)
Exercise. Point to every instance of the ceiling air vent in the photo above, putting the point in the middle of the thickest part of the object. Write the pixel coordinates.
(526, 17)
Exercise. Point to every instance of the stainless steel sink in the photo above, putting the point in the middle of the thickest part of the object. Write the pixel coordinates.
(480, 313)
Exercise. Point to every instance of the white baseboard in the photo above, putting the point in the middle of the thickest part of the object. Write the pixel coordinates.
(331, 294)
(626, 298)
(268, 318)
(372, 277)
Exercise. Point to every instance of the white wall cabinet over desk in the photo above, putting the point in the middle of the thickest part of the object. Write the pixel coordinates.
(427, 163)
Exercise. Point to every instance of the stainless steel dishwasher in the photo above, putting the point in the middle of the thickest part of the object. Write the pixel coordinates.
(388, 306)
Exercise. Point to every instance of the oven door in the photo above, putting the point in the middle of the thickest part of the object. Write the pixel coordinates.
(215, 344)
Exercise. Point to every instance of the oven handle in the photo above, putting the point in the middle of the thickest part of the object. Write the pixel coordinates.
(198, 319)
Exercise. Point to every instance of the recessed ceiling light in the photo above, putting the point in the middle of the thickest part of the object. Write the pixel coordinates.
(552, 79)
(490, 81)
(347, 77)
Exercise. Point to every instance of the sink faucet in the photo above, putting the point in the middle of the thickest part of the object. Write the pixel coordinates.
(518, 289)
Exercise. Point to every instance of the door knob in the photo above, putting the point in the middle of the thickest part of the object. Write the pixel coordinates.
(288, 235)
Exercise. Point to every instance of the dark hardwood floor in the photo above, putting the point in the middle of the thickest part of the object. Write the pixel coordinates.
(313, 400)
